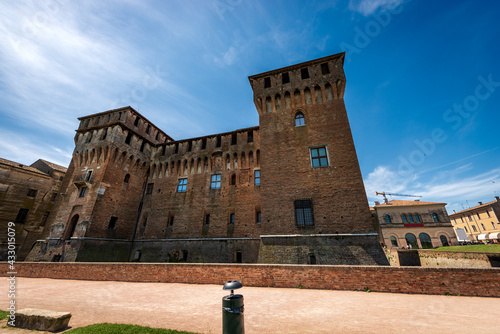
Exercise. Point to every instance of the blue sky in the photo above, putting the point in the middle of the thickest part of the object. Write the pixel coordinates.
(422, 95)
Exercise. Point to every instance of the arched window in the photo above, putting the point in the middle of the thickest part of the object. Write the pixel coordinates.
(405, 220)
(387, 219)
(411, 239)
(417, 218)
(127, 178)
(410, 218)
(299, 119)
(444, 240)
(425, 240)
(435, 217)
(232, 180)
(394, 241)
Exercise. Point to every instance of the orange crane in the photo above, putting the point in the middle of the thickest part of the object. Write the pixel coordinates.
(389, 194)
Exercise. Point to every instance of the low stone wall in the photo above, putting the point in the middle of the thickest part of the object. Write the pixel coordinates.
(430, 258)
(417, 280)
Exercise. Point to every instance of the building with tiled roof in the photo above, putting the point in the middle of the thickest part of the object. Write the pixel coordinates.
(479, 223)
(415, 224)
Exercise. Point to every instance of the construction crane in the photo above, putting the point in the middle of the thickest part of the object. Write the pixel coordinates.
(389, 194)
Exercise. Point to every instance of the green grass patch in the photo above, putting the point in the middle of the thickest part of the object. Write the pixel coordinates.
(3, 314)
(470, 248)
(106, 328)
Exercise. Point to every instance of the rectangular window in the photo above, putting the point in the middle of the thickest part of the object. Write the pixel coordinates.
(149, 188)
(267, 82)
(466, 230)
(324, 68)
(470, 218)
(478, 216)
(171, 220)
(231, 218)
(32, 192)
(176, 149)
(250, 136)
(207, 219)
(215, 181)
(303, 212)
(474, 228)
(88, 176)
(257, 177)
(128, 139)
(257, 217)
(218, 142)
(21, 216)
(83, 191)
(493, 225)
(182, 185)
(488, 213)
(285, 78)
(234, 139)
(112, 223)
(304, 73)
(204, 143)
(190, 146)
(44, 218)
(53, 198)
(319, 157)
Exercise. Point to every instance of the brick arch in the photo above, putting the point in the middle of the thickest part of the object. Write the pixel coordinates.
(277, 102)
(329, 95)
(287, 101)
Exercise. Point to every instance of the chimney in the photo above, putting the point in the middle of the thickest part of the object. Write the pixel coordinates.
(417, 200)
(480, 203)
(377, 203)
(497, 198)
(454, 211)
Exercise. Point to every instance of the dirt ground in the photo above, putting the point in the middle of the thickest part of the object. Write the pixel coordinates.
(198, 308)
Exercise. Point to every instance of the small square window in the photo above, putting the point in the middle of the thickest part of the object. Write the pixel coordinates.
(215, 181)
(83, 191)
(32, 192)
(319, 157)
(257, 177)
(182, 185)
(149, 188)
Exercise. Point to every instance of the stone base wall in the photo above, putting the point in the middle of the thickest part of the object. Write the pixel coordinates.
(318, 249)
(416, 280)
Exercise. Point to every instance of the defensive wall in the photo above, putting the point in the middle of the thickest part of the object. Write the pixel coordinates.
(430, 258)
(483, 282)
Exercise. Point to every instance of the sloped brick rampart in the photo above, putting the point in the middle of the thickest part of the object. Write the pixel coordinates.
(417, 280)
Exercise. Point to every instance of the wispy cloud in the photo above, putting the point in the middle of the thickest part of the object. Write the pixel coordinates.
(368, 7)
(449, 186)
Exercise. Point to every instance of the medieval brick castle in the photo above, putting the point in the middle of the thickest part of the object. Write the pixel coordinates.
(287, 191)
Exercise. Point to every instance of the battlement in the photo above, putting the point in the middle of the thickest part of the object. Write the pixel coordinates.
(307, 83)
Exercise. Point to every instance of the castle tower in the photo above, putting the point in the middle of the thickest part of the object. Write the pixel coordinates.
(103, 187)
(311, 180)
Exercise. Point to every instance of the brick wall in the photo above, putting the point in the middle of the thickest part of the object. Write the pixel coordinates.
(430, 258)
(417, 280)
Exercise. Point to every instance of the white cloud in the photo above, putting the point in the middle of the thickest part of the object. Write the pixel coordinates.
(368, 7)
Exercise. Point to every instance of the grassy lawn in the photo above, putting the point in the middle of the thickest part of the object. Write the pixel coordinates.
(121, 329)
(471, 248)
(3, 314)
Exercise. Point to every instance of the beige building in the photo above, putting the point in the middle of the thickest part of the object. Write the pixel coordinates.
(413, 223)
(480, 223)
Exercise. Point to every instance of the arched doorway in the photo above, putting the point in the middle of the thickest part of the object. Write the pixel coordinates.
(411, 239)
(444, 240)
(71, 227)
(425, 240)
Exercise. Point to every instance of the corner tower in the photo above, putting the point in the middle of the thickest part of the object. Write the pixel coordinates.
(311, 180)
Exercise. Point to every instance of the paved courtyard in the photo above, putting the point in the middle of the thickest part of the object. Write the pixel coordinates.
(197, 308)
